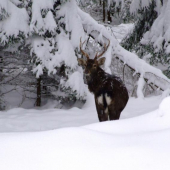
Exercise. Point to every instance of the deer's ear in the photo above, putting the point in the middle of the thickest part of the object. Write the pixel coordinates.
(101, 61)
(82, 62)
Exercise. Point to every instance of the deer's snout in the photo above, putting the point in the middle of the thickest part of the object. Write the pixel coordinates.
(87, 75)
(87, 72)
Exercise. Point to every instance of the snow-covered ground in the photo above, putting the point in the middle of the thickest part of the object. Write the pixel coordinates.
(49, 118)
(73, 139)
(136, 143)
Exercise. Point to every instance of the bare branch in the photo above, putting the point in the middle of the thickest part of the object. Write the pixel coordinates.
(1, 94)
(12, 78)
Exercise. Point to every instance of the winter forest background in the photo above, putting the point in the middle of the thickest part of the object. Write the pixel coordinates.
(40, 46)
(48, 118)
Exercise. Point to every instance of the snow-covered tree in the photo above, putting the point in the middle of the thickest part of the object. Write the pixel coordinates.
(53, 33)
(110, 11)
(145, 14)
(56, 33)
(11, 31)
(11, 17)
(156, 41)
(149, 38)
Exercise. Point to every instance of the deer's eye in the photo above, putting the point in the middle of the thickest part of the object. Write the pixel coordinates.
(94, 65)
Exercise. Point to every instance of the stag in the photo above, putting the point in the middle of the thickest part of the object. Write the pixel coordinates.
(111, 95)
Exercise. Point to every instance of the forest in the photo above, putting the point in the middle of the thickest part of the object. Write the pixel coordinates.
(48, 117)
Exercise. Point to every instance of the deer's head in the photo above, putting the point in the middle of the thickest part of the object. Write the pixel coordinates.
(92, 65)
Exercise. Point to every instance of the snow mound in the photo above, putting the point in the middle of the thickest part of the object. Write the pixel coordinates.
(140, 143)
(164, 107)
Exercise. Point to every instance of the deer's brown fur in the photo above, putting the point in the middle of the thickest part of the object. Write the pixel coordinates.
(111, 95)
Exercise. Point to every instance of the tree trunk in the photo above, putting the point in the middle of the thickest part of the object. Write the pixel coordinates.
(1, 64)
(109, 19)
(104, 16)
(38, 102)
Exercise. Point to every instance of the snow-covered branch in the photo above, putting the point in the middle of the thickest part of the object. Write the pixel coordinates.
(100, 33)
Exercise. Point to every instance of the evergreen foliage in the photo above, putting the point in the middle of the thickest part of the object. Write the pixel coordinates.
(45, 31)
(144, 20)
(115, 10)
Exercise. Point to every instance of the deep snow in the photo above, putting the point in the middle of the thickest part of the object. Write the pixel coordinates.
(57, 139)
(138, 143)
(49, 118)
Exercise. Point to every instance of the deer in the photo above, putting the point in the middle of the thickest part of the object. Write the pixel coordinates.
(110, 93)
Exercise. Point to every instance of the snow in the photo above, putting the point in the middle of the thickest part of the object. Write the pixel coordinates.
(52, 138)
(73, 21)
(158, 6)
(76, 82)
(137, 4)
(16, 16)
(141, 142)
(49, 117)
(51, 53)
(66, 29)
(164, 107)
(141, 83)
(160, 30)
(140, 66)
(50, 23)
(66, 52)
(149, 72)
(3, 7)
(37, 22)
(121, 31)
(41, 48)
(145, 3)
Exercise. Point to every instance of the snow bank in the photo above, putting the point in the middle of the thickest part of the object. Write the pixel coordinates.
(49, 117)
(140, 143)
(164, 107)
(147, 123)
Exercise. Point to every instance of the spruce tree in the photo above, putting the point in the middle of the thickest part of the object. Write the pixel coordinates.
(149, 38)
(53, 47)
(11, 32)
(45, 30)
(145, 17)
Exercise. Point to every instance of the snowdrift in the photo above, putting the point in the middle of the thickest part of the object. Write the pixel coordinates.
(140, 143)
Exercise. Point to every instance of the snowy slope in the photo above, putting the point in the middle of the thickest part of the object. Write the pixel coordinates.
(140, 143)
(49, 118)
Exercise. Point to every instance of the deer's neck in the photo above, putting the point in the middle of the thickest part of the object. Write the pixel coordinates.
(95, 80)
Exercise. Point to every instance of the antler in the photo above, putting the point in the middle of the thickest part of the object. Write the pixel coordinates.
(84, 53)
(105, 49)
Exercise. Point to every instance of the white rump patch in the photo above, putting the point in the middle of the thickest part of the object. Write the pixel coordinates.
(100, 99)
(106, 110)
(108, 99)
